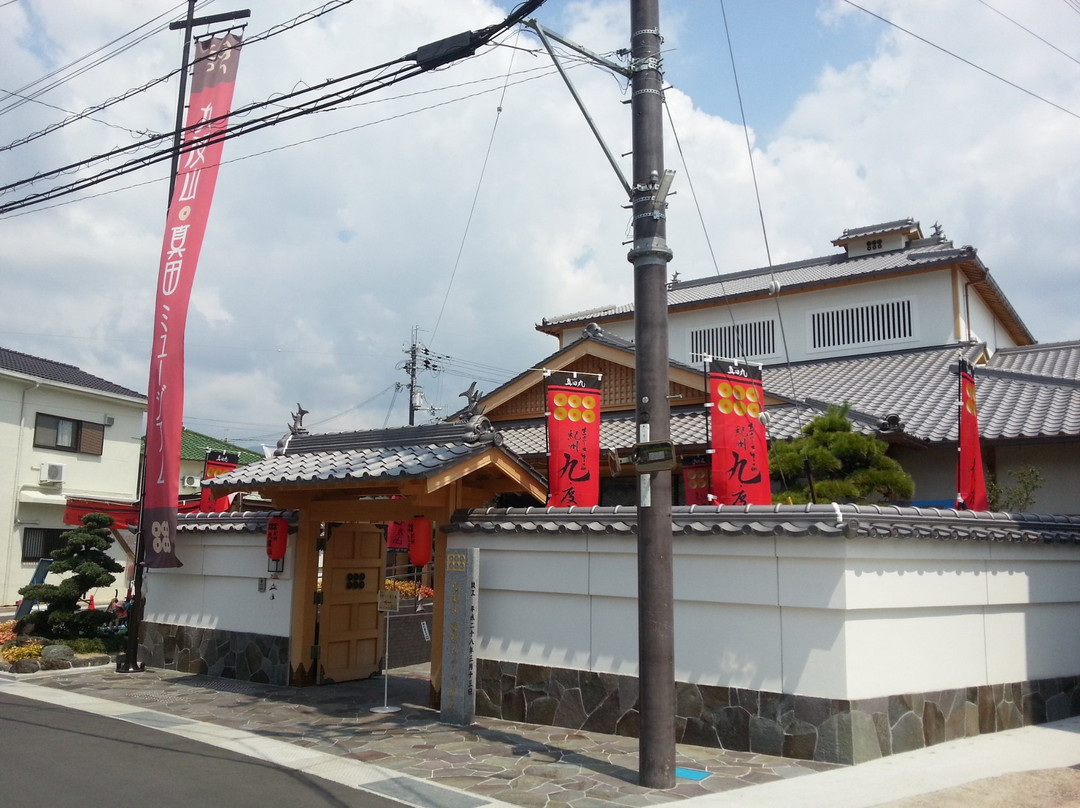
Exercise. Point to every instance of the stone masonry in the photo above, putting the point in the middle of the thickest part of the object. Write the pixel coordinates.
(807, 728)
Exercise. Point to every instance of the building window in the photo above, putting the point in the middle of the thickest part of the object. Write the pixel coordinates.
(737, 341)
(39, 542)
(862, 325)
(68, 435)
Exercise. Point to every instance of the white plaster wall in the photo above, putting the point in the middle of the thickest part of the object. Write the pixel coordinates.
(218, 586)
(826, 617)
(932, 312)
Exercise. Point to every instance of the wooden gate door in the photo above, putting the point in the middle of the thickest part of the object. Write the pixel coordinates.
(350, 631)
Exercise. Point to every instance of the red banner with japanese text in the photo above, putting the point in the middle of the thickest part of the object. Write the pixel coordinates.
(696, 482)
(212, 82)
(740, 454)
(970, 477)
(217, 463)
(573, 432)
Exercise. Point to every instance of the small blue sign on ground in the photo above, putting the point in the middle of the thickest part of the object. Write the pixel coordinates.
(690, 774)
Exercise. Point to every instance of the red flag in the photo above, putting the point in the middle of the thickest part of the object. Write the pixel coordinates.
(217, 463)
(970, 478)
(208, 107)
(573, 432)
(696, 483)
(740, 455)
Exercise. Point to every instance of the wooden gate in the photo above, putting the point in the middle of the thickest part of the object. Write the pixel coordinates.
(350, 631)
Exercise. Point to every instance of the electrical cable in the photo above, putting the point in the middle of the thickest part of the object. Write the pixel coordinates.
(968, 62)
(314, 105)
(57, 71)
(273, 31)
(476, 196)
(774, 286)
(41, 207)
(1068, 56)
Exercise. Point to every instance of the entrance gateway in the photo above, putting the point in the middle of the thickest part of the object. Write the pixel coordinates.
(344, 487)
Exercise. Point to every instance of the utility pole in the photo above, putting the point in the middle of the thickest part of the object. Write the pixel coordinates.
(420, 358)
(650, 255)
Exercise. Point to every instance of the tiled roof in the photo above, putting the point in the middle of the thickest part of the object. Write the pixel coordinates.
(919, 255)
(920, 386)
(369, 465)
(48, 370)
(768, 521)
(1057, 359)
(900, 225)
(194, 445)
(797, 274)
(369, 455)
(246, 522)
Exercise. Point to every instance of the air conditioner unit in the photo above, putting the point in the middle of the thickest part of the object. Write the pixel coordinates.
(52, 473)
(191, 481)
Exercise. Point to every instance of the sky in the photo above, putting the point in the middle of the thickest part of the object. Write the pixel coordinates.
(469, 203)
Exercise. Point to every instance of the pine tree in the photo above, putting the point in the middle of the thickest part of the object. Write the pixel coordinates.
(84, 555)
(847, 466)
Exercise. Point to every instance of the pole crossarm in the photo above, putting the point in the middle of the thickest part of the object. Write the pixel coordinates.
(544, 34)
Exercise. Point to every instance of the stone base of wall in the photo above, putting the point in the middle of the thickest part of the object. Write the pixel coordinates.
(408, 643)
(829, 730)
(228, 654)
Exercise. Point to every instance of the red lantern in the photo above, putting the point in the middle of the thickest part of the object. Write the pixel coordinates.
(419, 531)
(277, 534)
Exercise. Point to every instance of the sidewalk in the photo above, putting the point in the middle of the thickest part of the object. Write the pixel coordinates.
(332, 732)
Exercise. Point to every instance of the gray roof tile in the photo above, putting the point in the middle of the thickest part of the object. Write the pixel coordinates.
(796, 274)
(368, 464)
(1058, 359)
(246, 522)
(919, 385)
(849, 521)
(49, 370)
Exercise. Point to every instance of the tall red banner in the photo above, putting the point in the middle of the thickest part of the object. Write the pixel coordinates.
(740, 454)
(573, 431)
(212, 82)
(970, 478)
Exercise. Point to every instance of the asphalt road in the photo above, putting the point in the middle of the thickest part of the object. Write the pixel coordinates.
(53, 755)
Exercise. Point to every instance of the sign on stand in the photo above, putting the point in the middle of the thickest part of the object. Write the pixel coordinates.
(458, 698)
(389, 601)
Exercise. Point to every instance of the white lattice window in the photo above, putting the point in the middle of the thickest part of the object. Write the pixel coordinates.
(872, 324)
(750, 340)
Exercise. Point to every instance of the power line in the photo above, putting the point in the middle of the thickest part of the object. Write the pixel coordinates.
(23, 99)
(1028, 30)
(544, 72)
(273, 31)
(968, 62)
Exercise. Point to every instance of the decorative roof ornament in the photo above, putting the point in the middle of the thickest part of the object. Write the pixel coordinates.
(297, 425)
(473, 407)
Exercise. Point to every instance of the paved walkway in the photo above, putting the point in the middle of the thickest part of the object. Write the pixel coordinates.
(332, 732)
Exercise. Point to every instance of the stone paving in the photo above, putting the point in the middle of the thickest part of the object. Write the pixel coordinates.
(521, 764)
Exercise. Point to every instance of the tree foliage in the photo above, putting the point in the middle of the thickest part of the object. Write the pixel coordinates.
(85, 557)
(846, 466)
(1018, 497)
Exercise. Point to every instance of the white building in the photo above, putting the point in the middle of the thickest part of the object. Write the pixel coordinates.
(63, 433)
(879, 326)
